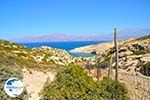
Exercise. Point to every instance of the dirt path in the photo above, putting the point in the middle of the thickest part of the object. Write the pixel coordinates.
(34, 81)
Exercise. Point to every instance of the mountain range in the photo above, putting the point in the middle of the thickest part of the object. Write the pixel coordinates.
(58, 37)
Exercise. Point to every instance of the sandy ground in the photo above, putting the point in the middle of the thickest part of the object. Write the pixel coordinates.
(34, 81)
(99, 48)
(102, 47)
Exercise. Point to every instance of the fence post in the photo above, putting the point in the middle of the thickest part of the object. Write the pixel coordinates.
(110, 67)
(116, 54)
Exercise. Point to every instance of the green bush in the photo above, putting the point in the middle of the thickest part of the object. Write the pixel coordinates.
(7, 72)
(140, 52)
(72, 83)
(145, 68)
(113, 90)
(9, 69)
(104, 64)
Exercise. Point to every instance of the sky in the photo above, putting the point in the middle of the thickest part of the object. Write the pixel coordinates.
(21, 18)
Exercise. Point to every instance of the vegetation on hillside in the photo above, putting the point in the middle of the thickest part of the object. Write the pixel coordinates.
(72, 83)
(38, 58)
(145, 68)
(9, 69)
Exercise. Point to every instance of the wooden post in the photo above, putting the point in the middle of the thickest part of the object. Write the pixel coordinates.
(97, 72)
(88, 65)
(116, 54)
(110, 67)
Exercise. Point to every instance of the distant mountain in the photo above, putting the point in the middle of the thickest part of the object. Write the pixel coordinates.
(123, 34)
(133, 33)
(49, 38)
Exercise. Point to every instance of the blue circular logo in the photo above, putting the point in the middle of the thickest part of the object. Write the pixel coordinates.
(13, 87)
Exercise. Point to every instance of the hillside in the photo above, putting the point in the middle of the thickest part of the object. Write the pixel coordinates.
(53, 65)
(132, 52)
(36, 57)
(135, 54)
(134, 64)
(30, 65)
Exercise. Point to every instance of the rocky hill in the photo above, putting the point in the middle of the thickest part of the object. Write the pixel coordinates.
(134, 64)
(34, 64)
(42, 56)
(131, 52)
(30, 65)
(134, 54)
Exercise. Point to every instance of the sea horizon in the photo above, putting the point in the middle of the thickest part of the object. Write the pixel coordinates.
(66, 45)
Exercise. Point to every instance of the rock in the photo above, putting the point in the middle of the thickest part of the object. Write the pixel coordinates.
(145, 58)
(124, 54)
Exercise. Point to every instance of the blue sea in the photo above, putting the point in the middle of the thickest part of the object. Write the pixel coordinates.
(64, 45)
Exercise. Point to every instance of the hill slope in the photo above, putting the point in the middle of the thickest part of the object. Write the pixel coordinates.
(30, 65)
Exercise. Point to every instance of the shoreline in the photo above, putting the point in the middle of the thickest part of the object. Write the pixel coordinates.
(99, 48)
(68, 46)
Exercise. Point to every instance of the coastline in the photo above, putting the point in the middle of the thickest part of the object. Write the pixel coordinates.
(67, 45)
(99, 48)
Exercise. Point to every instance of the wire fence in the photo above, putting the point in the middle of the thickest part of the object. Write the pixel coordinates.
(138, 85)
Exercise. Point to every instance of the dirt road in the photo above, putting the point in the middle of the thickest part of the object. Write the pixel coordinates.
(34, 82)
